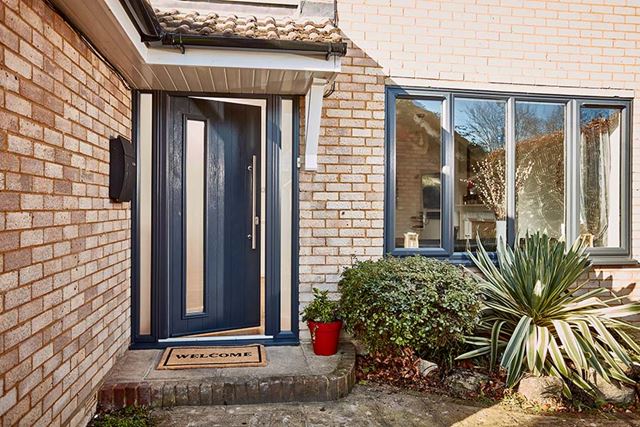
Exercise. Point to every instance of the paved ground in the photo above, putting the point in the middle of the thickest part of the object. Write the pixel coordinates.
(292, 374)
(139, 365)
(377, 406)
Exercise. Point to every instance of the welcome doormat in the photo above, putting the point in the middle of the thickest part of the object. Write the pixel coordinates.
(213, 357)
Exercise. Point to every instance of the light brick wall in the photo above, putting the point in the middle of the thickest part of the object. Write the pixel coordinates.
(589, 47)
(341, 205)
(64, 247)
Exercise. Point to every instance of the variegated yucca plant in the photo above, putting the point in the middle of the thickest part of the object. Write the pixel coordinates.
(538, 318)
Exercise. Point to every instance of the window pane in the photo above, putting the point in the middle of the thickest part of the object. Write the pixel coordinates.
(600, 176)
(194, 200)
(539, 168)
(418, 164)
(480, 190)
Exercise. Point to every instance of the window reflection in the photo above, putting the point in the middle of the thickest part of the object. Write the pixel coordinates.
(480, 181)
(418, 164)
(539, 168)
(600, 176)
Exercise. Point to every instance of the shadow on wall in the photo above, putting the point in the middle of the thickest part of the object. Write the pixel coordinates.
(342, 203)
(618, 288)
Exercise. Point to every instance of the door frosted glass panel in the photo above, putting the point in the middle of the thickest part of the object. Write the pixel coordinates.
(480, 181)
(418, 164)
(600, 176)
(194, 201)
(539, 184)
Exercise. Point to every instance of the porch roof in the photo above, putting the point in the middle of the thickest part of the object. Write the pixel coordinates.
(151, 56)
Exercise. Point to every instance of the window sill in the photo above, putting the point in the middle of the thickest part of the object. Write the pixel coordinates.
(462, 259)
(457, 258)
(612, 261)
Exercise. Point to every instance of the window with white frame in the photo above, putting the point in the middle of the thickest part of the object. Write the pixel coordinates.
(463, 166)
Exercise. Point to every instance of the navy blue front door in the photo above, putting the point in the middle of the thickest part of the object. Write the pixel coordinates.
(214, 207)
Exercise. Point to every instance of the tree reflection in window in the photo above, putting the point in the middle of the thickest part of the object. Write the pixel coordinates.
(480, 178)
(540, 139)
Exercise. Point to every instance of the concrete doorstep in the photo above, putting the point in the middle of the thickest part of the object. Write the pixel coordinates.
(292, 374)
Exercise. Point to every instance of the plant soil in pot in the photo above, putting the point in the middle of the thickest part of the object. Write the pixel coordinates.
(321, 316)
(325, 337)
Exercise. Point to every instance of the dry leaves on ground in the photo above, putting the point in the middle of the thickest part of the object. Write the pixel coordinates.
(402, 370)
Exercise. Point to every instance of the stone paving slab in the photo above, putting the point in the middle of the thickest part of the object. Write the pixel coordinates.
(380, 406)
(292, 374)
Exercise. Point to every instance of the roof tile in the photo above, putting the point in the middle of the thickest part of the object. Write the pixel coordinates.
(269, 28)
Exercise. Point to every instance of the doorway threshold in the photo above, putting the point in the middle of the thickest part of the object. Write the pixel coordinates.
(216, 338)
(292, 374)
(252, 331)
(281, 339)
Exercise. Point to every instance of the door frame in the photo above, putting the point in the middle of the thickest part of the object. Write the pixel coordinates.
(159, 337)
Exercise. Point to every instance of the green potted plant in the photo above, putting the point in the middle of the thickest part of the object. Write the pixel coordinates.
(321, 316)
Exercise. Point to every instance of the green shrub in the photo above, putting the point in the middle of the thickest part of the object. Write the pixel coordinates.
(414, 302)
(539, 319)
(127, 417)
(321, 309)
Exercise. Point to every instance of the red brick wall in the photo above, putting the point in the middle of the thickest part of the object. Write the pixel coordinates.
(64, 247)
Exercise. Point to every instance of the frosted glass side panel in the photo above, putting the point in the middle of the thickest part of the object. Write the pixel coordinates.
(194, 211)
(286, 208)
(145, 198)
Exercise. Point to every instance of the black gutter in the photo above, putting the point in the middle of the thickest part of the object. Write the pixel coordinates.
(178, 39)
(143, 16)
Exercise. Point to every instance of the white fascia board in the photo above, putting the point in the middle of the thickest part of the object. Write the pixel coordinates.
(118, 12)
(242, 58)
(222, 57)
(313, 115)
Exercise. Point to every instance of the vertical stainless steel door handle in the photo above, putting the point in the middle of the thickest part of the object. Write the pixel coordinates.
(254, 218)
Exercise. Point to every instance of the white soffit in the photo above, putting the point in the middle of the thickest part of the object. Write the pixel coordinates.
(223, 70)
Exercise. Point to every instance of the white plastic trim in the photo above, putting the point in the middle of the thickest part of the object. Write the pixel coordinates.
(313, 112)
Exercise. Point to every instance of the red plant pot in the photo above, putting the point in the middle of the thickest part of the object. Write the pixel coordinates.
(325, 337)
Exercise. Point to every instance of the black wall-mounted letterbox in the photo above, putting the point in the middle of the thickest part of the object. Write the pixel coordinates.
(122, 169)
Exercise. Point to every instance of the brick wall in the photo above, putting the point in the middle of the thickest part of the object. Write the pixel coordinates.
(64, 247)
(588, 47)
(341, 205)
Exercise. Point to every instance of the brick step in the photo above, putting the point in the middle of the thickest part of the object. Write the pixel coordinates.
(292, 374)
